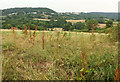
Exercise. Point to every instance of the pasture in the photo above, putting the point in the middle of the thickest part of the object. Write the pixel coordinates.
(52, 55)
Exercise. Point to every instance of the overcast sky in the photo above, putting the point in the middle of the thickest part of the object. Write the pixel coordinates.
(65, 5)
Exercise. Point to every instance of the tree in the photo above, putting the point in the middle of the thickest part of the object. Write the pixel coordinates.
(61, 21)
(101, 20)
(71, 28)
(79, 25)
(8, 26)
(67, 26)
(51, 23)
(18, 26)
(41, 28)
(91, 23)
(109, 23)
(33, 26)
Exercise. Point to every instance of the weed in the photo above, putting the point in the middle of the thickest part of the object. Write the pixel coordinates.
(116, 77)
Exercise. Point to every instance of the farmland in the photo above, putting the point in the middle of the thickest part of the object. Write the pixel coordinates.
(53, 55)
(72, 21)
(42, 44)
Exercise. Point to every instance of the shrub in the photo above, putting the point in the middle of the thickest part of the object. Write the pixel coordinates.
(113, 33)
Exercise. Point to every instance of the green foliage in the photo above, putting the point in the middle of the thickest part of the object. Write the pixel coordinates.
(26, 19)
(109, 23)
(113, 33)
(7, 26)
(101, 20)
(61, 21)
(106, 15)
(100, 30)
(90, 23)
(82, 30)
(79, 25)
(27, 10)
(67, 26)
(40, 11)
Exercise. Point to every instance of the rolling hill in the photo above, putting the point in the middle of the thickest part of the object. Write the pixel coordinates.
(27, 10)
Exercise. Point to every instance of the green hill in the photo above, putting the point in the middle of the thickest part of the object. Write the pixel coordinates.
(55, 15)
(27, 10)
(110, 15)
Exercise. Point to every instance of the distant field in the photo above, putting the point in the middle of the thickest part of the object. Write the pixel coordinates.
(72, 21)
(75, 21)
(101, 25)
(115, 22)
(41, 19)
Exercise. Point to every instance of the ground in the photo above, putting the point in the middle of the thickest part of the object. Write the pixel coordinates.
(58, 55)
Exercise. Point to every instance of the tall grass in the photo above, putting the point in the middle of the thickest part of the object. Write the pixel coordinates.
(29, 31)
(25, 30)
(23, 60)
(57, 41)
(43, 40)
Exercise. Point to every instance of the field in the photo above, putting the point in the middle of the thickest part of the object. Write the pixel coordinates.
(72, 21)
(53, 55)
(75, 21)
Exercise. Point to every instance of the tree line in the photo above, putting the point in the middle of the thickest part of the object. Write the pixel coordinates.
(19, 21)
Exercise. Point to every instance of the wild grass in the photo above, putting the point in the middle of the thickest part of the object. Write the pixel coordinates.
(23, 60)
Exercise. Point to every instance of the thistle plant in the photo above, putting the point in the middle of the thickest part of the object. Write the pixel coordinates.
(83, 61)
(13, 32)
(34, 32)
(64, 34)
(116, 77)
(84, 66)
(32, 38)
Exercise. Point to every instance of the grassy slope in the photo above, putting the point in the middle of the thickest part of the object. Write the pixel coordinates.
(23, 59)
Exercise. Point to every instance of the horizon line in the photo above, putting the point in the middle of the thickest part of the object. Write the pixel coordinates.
(66, 11)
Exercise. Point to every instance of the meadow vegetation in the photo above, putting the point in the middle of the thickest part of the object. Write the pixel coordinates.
(81, 50)
(53, 55)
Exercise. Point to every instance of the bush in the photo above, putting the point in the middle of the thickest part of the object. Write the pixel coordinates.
(113, 33)
(100, 30)
(109, 23)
